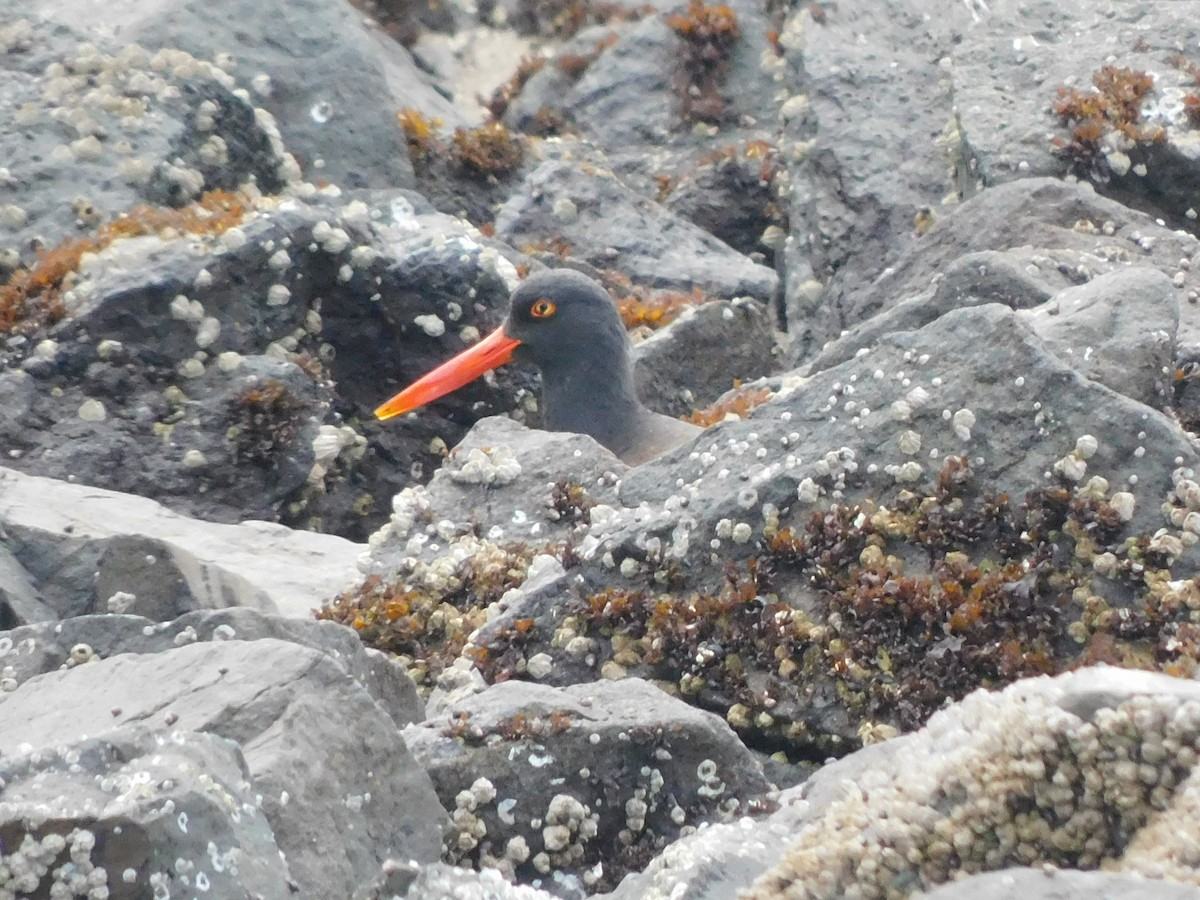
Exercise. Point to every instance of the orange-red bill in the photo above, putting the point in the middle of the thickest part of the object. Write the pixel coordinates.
(494, 350)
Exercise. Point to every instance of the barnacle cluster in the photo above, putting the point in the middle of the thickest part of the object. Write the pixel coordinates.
(59, 863)
(425, 614)
(1106, 123)
(32, 296)
(1019, 778)
(708, 35)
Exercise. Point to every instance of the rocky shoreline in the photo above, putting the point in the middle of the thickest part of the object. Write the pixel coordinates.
(917, 614)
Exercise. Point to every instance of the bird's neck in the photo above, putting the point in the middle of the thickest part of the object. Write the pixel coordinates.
(598, 400)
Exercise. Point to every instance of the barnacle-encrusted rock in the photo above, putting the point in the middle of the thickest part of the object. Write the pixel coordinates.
(1096, 768)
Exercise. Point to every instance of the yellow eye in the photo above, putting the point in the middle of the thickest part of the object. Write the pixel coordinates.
(542, 309)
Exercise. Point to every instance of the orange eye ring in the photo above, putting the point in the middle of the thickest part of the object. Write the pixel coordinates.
(542, 308)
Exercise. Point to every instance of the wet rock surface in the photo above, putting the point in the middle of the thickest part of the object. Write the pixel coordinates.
(917, 613)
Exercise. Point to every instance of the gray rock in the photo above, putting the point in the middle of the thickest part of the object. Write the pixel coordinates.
(103, 131)
(817, 828)
(955, 363)
(342, 127)
(51, 646)
(973, 279)
(1037, 237)
(138, 812)
(604, 773)
(1005, 111)
(210, 373)
(699, 356)
(324, 757)
(864, 110)
(1118, 329)
(619, 86)
(616, 228)
(82, 547)
(718, 861)
(20, 602)
(1059, 884)
(499, 484)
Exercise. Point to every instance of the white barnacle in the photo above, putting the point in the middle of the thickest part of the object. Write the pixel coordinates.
(278, 295)
(92, 410)
(432, 325)
(208, 332)
(233, 238)
(808, 491)
(1123, 502)
(963, 421)
(1071, 467)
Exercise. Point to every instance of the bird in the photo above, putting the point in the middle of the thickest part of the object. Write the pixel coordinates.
(569, 327)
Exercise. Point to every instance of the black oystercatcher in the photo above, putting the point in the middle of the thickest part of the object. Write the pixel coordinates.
(569, 327)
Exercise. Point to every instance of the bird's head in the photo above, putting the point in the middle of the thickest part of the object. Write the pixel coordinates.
(562, 318)
(557, 320)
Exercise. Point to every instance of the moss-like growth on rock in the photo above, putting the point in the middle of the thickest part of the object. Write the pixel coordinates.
(1112, 112)
(708, 35)
(426, 618)
(420, 134)
(266, 420)
(489, 151)
(504, 95)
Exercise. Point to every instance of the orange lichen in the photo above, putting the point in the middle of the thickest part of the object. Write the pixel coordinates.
(420, 134)
(32, 297)
(739, 403)
(654, 310)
